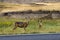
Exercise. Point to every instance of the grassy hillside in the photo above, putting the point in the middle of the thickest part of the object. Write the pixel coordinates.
(24, 7)
(49, 26)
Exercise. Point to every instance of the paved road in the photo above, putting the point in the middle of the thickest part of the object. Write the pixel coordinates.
(32, 37)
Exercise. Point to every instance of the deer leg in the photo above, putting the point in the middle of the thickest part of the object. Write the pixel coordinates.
(24, 29)
(40, 26)
(14, 28)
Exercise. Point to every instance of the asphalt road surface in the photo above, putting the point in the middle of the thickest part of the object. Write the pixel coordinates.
(32, 37)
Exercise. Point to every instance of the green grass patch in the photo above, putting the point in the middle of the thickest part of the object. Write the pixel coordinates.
(49, 26)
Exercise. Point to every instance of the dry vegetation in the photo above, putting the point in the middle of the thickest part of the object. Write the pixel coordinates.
(24, 7)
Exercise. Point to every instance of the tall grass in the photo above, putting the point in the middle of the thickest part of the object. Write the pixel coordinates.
(7, 24)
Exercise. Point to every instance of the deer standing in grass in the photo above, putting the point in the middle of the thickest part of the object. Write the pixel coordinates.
(21, 24)
(40, 22)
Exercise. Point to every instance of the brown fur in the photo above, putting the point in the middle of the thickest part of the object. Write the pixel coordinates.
(21, 25)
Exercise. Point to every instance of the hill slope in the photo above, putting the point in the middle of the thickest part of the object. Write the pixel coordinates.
(23, 7)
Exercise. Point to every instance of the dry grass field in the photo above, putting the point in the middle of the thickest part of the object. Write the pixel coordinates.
(24, 7)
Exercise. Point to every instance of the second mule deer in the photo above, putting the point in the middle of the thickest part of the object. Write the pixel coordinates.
(39, 22)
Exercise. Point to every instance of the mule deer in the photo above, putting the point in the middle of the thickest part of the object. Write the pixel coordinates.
(40, 22)
(21, 25)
